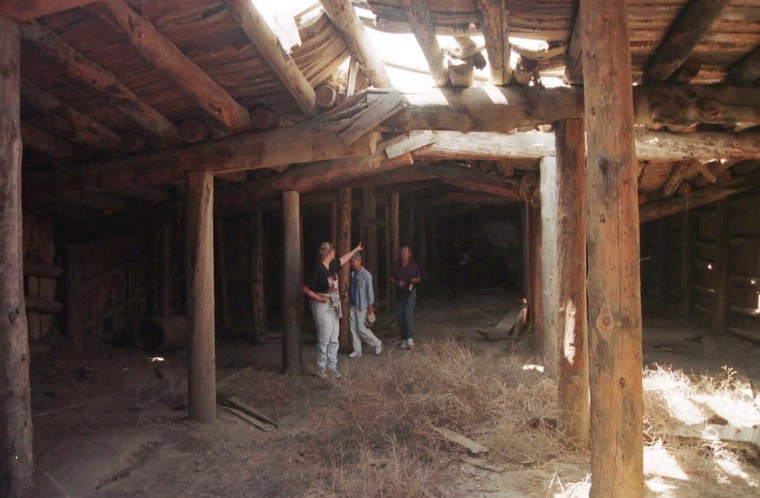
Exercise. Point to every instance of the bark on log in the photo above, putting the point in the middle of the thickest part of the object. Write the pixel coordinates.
(343, 247)
(16, 464)
(257, 278)
(292, 283)
(495, 24)
(613, 283)
(422, 26)
(100, 79)
(199, 248)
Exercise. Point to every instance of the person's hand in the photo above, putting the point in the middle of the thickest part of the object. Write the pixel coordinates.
(358, 247)
(372, 309)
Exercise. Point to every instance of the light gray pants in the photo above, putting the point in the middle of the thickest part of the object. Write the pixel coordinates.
(328, 325)
(359, 332)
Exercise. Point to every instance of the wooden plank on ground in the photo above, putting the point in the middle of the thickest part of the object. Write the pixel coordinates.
(454, 437)
(239, 404)
(257, 424)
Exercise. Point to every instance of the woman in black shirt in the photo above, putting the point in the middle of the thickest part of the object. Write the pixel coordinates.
(322, 288)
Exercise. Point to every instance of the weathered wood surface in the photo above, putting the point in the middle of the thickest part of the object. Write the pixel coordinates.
(16, 463)
(535, 255)
(27, 10)
(258, 296)
(613, 282)
(693, 21)
(676, 176)
(200, 297)
(745, 71)
(87, 71)
(369, 233)
(45, 143)
(344, 18)
(422, 26)
(722, 227)
(343, 247)
(473, 447)
(574, 63)
(495, 26)
(292, 283)
(378, 110)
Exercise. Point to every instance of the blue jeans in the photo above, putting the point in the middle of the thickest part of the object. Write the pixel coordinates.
(405, 314)
(327, 322)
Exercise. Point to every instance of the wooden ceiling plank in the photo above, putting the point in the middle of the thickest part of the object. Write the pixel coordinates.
(422, 26)
(691, 24)
(746, 71)
(345, 19)
(27, 10)
(165, 55)
(84, 129)
(268, 45)
(495, 26)
(86, 70)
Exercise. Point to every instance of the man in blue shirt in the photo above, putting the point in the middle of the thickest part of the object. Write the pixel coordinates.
(361, 304)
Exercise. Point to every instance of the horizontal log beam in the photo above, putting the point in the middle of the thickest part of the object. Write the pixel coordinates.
(164, 55)
(26, 10)
(80, 67)
(698, 197)
(746, 71)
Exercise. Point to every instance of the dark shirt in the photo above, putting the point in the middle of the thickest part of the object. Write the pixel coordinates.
(401, 272)
(318, 279)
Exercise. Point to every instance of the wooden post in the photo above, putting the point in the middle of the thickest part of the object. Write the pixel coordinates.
(166, 270)
(395, 242)
(369, 219)
(686, 266)
(660, 262)
(722, 221)
(565, 305)
(535, 306)
(334, 220)
(221, 268)
(421, 251)
(291, 288)
(199, 278)
(613, 282)
(258, 297)
(526, 259)
(16, 465)
(550, 263)
(344, 245)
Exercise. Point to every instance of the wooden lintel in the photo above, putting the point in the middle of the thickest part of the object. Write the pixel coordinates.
(90, 73)
(343, 16)
(82, 128)
(268, 45)
(495, 26)
(163, 54)
(422, 26)
(27, 10)
(693, 21)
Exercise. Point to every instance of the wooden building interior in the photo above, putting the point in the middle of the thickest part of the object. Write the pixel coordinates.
(165, 158)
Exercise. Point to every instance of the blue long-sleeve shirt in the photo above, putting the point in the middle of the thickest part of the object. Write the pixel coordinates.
(362, 294)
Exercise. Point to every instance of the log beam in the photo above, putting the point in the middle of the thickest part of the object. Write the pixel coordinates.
(495, 26)
(16, 464)
(345, 19)
(199, 280)
(32, 9)
(292, 283)
(422, 26)
(84, 69)
(613, 282)
(693, 21)
(268, 45)
(746, 71)
(164, 55)
(676, 176)
(83, 129)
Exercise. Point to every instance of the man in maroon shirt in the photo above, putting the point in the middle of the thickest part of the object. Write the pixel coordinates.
(405, 274)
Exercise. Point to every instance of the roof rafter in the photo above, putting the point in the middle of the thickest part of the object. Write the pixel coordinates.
(27, 10)
(495, 26)
(100, 79)
(745, 71)
(422, 26)
(165, 55)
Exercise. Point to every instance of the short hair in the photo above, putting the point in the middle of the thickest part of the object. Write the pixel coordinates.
(325, 248)
(357, 256)
(405, 246)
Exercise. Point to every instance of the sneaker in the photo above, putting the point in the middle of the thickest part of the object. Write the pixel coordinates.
(334, 372)
(355, 354)
(410, 343)
(379, 348)
(404, 345)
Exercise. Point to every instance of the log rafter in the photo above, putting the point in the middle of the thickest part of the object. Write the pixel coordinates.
(268, 45)
(693, 21)
(343, 16)
(745, 71)
(422, 26)
(100, 79)
(495, 26)
(165, 55)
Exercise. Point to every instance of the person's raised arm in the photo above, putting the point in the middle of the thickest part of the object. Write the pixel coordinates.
(344, 259)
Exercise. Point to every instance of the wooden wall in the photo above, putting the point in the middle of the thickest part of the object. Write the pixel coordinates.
(41, 275)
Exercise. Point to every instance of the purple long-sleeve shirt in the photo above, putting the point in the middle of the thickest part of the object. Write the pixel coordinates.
(405, 273)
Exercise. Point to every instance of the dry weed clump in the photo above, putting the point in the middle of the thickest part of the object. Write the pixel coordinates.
(377, 439)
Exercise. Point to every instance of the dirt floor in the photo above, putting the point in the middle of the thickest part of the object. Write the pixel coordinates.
(113, 422)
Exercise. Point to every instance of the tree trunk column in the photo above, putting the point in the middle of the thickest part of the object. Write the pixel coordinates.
(535, 305)
(200, 296)
(258, 297)
(613, 283)
(291, 289)
(344, 245)
(394, 243)
(16, 466)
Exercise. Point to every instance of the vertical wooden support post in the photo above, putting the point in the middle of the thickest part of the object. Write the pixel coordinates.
(422, 249)
(722, 222)
(369, 217)
(199, 280)
(221, 279)
(549, 261)
(395, 242)
(567, 233)
(344, 245)
(613, 283)
(291, 289)
(166, 275)
(258, 298)
(526, 259)
(16, 466)
(686, 268)
(535, 306)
